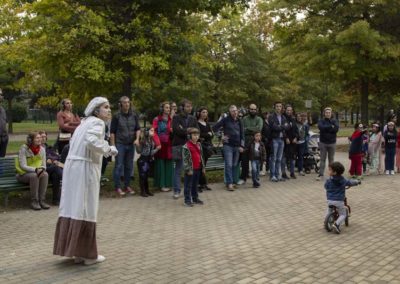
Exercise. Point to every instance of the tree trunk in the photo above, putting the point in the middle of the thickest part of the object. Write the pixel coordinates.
(358, 115)
(382, 115)
(351, 117)
(345, 118)
(10, 119)
(127, 84)
(364, 101)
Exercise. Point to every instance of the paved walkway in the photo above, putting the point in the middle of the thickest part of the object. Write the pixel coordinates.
(273, 234)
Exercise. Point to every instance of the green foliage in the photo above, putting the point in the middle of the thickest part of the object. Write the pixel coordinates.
(18, 111)
(350, 44)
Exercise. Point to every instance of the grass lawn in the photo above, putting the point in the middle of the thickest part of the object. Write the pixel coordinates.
(27, 126)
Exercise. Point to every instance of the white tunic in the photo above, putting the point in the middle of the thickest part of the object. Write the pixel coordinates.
(82, 171)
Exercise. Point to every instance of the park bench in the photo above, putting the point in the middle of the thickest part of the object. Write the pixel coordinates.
(216, 161)
(8, 182)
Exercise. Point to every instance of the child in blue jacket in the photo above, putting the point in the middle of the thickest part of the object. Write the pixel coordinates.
(336, 191)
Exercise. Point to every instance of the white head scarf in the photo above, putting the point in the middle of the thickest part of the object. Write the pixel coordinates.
(93, 104)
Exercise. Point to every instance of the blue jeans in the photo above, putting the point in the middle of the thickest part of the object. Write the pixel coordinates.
(301, 149)
(231, 159)
(255, 170)
(123, 164)
(177, 176)
(190, 186)
(390, 153)
(276, 157)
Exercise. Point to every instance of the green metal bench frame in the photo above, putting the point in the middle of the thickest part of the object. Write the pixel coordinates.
(8, 181)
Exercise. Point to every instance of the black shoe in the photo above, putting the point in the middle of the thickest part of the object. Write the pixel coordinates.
(293, 176)
(285, 176)
(188, 204)
(144, 194)
(336, 227)
(198, 202)
(256, 184)
(207, 188)
(56, 202)
(200, 189)
(149, 193)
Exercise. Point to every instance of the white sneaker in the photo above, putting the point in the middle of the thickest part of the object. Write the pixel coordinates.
(387, 172)
(240, 182)
(176, 195)
(99, 259)
(165, 189)
(262, 173)
(302, 173)
(392, 172)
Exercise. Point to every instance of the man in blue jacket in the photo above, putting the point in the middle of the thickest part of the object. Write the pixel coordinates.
(233, 142)
(328, 128)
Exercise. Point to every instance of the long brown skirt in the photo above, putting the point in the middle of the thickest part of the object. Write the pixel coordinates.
(75, 238)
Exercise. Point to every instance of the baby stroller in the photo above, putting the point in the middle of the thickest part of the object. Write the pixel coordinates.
(312, 155)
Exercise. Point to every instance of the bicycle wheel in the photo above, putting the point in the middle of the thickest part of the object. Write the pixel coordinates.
(329, 219)
(346, 221)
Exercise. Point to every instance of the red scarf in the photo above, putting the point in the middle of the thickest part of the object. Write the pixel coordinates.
(35, 149)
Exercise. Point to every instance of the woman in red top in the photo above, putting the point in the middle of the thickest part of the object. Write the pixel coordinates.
(163, 167)
(67, 122)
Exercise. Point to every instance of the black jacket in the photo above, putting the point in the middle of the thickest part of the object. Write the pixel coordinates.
(276, 127)
(328, 129)
(266, 133)
(291, 131)
(251, 152)
(180, 124)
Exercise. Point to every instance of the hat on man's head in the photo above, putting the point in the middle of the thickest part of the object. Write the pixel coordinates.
(93, 104)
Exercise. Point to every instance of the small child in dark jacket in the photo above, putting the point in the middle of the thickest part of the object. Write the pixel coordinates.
(257, 156)
(147, 149)
(390, 135)
(193, 165)
(336, 191)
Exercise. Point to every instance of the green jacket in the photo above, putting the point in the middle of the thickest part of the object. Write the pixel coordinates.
(187, 158)
(251, 125)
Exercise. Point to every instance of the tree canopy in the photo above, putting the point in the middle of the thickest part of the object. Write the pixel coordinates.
(214, 52)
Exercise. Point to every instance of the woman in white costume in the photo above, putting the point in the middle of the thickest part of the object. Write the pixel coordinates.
(76, 227)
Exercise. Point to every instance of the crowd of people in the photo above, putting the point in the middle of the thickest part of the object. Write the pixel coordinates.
(276, 142)
(180, 141)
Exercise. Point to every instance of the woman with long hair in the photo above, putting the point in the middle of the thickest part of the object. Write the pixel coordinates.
(206, 136)
(163, 167)
(67, 122)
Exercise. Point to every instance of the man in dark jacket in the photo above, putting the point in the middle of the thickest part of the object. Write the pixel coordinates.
(180, 123)
(124, 134)
(278, 125)
(328, 128)
(252, 123)
(233, 142)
